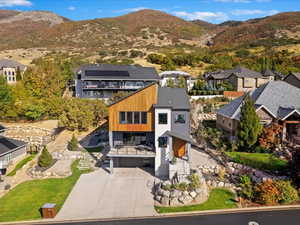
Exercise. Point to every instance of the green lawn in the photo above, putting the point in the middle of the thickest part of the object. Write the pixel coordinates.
(21, 164)
(24, 201)
(97, 149)
(219, 198)
(262, 161)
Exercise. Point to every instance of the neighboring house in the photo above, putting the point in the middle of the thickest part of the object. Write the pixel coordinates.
(272, 73)
(175, 76)
(2, 128)
(10, 68)
(151, 127)
(274, 101)
(293, 79)
(104, 80)
(242, 79)
(10, 151)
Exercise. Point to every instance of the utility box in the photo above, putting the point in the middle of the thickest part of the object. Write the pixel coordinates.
(48, 211)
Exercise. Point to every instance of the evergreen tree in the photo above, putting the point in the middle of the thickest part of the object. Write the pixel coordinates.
(45, 158)
(6, 97)
(18, 74)
(73, 144)
(249, 127)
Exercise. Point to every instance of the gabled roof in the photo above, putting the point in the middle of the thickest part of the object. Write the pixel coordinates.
(8, 63)
(238, 71)
(296, 75)
(268, 73)
(8, 145)
(179, 136)
(175, 98)
(277, 97)
(117, 72)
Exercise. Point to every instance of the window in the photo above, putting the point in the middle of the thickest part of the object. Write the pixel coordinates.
(163, 118)
(136, 117)
(144, 117)
(122, 117)
(133, 117)
(129, 117)
(180, 118)
(162, 142)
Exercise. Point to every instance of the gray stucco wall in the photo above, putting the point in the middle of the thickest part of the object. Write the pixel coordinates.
(181, 128)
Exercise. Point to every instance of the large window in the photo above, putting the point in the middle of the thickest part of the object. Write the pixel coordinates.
(133, 118)
(180, 118)
(163, 118)
(162, 142)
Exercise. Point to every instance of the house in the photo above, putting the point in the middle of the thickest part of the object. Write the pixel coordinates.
(175, 76)
(10, 69)
(151, 127)
(11, 150)
(293, 79)
(242, 79)
(104, 80)
(271, 73)
(275, 101)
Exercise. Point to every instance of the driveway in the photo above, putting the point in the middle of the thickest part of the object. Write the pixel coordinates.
(126, 193)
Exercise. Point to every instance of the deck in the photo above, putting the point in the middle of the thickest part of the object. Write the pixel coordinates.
(131, 151)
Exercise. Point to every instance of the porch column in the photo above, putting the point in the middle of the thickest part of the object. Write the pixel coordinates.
(284, 132)
(111, 166)
(110, 134)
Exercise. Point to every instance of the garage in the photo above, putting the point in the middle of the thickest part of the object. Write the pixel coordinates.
(132, 162)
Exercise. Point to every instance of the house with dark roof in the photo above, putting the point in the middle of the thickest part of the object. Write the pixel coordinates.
(151, 127)
(11, 150)
(102, 81)
(275, 101)
(293, 79)
(10, 69)
(241, 78)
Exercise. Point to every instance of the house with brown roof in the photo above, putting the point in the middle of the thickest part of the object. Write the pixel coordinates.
(293, 79)
(241, 78)
(275, 101)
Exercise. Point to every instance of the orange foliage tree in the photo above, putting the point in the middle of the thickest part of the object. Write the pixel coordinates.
(271, 136)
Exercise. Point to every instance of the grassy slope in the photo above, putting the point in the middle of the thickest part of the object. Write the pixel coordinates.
(219, 199)
(24, 201)
(21, 164)
(263, 161)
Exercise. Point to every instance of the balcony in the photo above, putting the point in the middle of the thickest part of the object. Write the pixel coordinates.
(132, 151)
(113, 85)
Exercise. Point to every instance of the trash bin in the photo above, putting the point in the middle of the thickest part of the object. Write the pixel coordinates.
(49, 210)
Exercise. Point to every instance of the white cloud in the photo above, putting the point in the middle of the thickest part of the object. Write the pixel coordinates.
(242, 12)
(9, 3)
(213, 16)
(129, 10)
(72, 8)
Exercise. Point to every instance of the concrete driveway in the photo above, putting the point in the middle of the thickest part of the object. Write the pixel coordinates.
(126, 193)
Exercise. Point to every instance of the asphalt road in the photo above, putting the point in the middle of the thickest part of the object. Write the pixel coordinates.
(290, 217)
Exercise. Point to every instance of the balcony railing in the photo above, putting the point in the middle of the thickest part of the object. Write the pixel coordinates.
(4, 164)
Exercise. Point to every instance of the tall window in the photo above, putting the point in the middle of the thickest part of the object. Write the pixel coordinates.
(163, 118)
(133, 118)
(162, 142)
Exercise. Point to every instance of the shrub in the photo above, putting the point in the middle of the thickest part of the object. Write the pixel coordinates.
(246, 186)
(267, 193)
(288, 194)
(182, 186)
(45, 159)
(195, 181)
(73, 144)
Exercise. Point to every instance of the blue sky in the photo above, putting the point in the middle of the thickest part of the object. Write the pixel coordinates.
(214, 11)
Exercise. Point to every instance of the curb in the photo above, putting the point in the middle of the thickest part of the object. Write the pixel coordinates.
(162, 216)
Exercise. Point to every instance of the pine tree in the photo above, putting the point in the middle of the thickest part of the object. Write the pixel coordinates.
(181, 82)
(73, 144)
(18, 74)
(45, 158)
(170, 83)
(249, 127)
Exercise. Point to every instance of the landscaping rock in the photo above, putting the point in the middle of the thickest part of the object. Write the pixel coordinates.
(165, 201)
(193, 194)
(174, 202)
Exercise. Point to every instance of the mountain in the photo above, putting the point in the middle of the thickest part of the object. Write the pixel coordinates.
(278, 29)
(142, 28)
(19, 29)
(150, 29)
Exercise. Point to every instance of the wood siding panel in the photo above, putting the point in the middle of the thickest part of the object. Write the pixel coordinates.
(140, 102)
(179, 147)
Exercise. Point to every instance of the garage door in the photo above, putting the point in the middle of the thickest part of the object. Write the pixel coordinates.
(133, 162)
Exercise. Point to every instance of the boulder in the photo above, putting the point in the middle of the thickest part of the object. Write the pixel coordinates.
(165, 201)
(185, 199)
(193, 194)
(175, 194)
(166, 193)
(174, 202)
